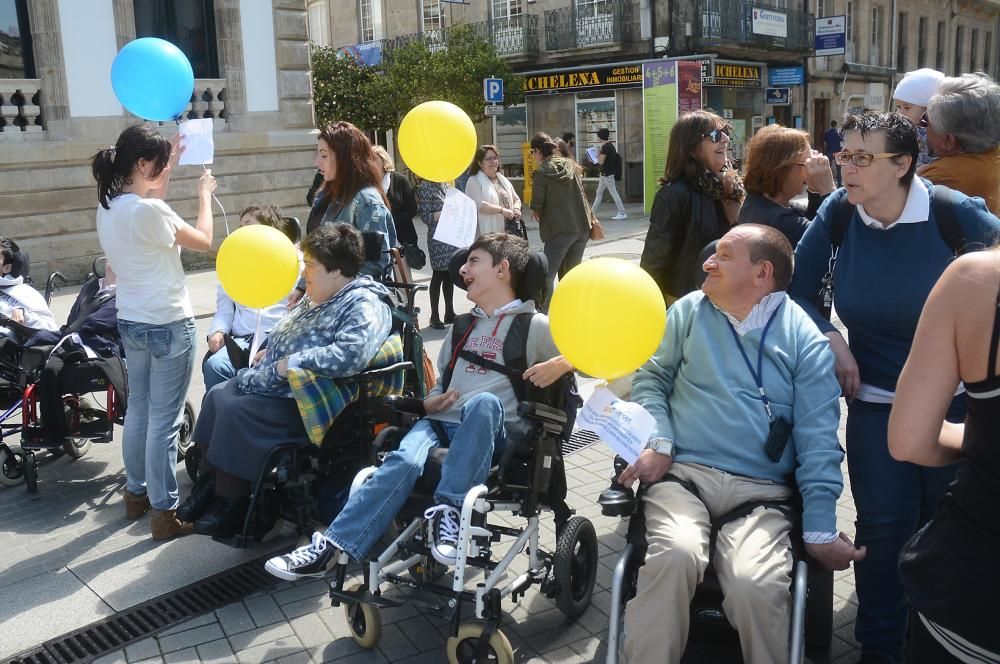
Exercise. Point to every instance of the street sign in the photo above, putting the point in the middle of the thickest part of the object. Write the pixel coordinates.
(785, 76)
(493, 90)
(831, 35)
(494, 110)
(776, 96)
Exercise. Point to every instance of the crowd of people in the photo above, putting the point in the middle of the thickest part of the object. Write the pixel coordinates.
(745, 389)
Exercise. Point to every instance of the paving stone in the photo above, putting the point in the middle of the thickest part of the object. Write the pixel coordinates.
(186, 656)
(151, 660)
(271, 651)
(298, 658)
(306, 606)
(216, 652)
(394, 644)
(141, 650)
(117, 657)
(311, 630)
(264, 610)
(234, 618)
(261, 635)
(300, 591)
(199, 621)
(190, 638)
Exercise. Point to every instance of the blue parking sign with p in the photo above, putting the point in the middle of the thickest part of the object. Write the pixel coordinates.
(493, 90)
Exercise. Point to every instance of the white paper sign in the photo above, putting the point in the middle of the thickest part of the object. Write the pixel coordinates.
(459, 219)
(594, 153)
(623, 425)
(199, 146)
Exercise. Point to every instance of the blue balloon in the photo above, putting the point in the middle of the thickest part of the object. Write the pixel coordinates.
(153, 79)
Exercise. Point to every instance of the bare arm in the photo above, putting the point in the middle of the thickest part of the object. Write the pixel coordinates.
(199, 237)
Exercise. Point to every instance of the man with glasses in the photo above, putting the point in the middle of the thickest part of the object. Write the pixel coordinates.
(962, 133)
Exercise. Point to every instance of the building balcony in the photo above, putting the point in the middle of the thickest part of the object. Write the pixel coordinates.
(605, 24)
(730, 23)
(512, 37)
(20, 107)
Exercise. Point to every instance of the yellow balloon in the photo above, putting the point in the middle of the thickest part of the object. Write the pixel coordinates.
(607, 317)
(257, 266)
(437, 140)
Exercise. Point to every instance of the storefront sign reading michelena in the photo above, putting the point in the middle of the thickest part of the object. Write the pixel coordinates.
(736, 75)
(626, 76)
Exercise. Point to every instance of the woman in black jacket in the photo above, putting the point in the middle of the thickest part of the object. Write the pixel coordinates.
(698, 201)
(402, 203)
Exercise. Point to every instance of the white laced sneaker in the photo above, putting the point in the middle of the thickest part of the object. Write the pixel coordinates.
(314, 559)
(445, 521)
(620, 216)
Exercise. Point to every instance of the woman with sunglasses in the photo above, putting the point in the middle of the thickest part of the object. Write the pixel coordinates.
(699, 201)
(891, 254)
(779, 163)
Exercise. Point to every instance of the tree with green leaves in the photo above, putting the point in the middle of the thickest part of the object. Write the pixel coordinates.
(345, 89)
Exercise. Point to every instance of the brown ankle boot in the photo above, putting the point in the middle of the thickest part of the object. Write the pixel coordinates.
(135, 505)
(163, 525)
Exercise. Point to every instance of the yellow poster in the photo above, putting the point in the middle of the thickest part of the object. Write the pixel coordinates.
(529, 170)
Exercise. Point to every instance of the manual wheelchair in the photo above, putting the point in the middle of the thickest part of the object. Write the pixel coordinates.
(26, 371)
(529, 479)
(811, 588)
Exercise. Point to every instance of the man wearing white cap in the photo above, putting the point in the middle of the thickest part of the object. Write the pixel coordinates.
(911, 98)
(965, 138)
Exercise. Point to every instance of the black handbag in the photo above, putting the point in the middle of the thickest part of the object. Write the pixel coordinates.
(415, 257)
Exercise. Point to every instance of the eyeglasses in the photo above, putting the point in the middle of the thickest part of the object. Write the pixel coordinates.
(924, 119)
(861, 159)
(491, 158)
(716, 134)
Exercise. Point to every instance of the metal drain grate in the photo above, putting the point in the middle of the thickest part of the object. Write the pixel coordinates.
(125, 627)
(579, 440)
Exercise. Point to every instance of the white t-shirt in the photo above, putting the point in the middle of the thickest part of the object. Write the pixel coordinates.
(137, 235)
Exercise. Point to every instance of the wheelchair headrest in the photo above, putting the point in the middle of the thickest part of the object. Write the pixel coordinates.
(295, 231)
(98, 267)
(706, 253)
(532, 283)
(20, 263)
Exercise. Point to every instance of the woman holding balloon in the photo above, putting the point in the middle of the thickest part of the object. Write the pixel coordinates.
(352, 191)
(142, 237)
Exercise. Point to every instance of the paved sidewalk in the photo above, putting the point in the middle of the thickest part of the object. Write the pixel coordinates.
(70, 558)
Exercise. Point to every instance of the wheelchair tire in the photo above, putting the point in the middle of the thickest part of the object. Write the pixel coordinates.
(31, 473)
(12, 463)
(575, 566)
(819, 610)
(461, 648)
(192, 461)
(187, 428)
(77, 447)
(364, 621)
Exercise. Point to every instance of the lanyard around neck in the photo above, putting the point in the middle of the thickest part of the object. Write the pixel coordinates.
(758, 375)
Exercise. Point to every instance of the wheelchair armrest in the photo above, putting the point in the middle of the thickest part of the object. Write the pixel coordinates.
(551, 418)
(410, 405)
(380, 371)
(34, 357)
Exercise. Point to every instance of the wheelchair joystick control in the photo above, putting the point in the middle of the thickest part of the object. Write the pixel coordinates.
(617, 500)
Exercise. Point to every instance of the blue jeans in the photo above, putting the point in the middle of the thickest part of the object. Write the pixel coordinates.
(218, 368)
(159, 359)
(893, 499)
(474, 444)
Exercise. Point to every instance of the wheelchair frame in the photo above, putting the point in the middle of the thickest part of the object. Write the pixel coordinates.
(568, 575)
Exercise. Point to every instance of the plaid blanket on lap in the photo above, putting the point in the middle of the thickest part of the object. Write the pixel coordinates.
(321, 399)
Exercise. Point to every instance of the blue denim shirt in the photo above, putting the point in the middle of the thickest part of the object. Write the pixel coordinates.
(368, 213)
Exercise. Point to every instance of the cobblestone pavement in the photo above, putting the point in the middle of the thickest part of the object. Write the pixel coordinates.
(70, 558)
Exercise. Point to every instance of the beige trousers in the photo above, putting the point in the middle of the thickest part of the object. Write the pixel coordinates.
(753, 561)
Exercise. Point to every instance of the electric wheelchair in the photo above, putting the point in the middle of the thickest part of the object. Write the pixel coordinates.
(811, 625)
(529, 479)
(26, 372)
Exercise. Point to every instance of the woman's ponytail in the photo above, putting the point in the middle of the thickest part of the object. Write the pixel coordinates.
(103, 169)
(112, 167)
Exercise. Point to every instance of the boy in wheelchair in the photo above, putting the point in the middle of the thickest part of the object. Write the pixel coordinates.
(744, 395)
(474, 419)
(20, 303)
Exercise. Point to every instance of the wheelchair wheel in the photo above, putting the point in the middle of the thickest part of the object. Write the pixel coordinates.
(184, 437)
(12, 464)
(575, 566)
(462, 648)
(819, 610)
(364, 621)
(76, 447)
(192, 461)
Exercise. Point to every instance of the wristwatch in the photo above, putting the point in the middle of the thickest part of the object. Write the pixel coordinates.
(663, 446)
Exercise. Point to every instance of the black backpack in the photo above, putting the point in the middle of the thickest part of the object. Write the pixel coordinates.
(562, 394)
(941, 200)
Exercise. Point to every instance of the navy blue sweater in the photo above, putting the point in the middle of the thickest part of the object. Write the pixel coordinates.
(882, 279)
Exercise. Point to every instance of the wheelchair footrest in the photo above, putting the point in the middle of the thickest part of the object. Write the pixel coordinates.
(363, 596)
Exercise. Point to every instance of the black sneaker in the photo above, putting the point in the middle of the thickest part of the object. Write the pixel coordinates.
(315, 559)
(445, 521)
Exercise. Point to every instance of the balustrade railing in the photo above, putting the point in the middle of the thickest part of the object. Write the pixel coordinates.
(607, 22)
(20, 106)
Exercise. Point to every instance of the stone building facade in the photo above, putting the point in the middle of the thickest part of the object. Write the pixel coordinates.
(55, 119)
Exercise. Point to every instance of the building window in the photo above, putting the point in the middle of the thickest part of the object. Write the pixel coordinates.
(875, 55)
(509, 132)
(939, 55)
(988, 52)
(901, 43)
(431, 17)
(974, 51)
(370, 12)
(319, 23)
(849, 21)
(922, 43)
(17, 60)
(820, 8)
(593, 111)
(959, 45)
(188, 24)
(507, 8)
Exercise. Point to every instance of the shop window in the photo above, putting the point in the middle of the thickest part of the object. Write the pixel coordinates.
(593, 113)
(370, 12)
(509, 133)
(188, 24)
(319, 23)
(16, 57)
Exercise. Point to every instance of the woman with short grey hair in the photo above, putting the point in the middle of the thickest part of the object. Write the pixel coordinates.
(966, 148)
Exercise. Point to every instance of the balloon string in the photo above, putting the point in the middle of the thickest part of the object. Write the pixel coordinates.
(225, 218)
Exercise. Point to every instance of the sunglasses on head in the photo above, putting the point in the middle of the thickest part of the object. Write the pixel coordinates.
(716, 134)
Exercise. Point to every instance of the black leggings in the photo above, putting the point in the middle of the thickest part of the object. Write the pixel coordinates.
(441, 278)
